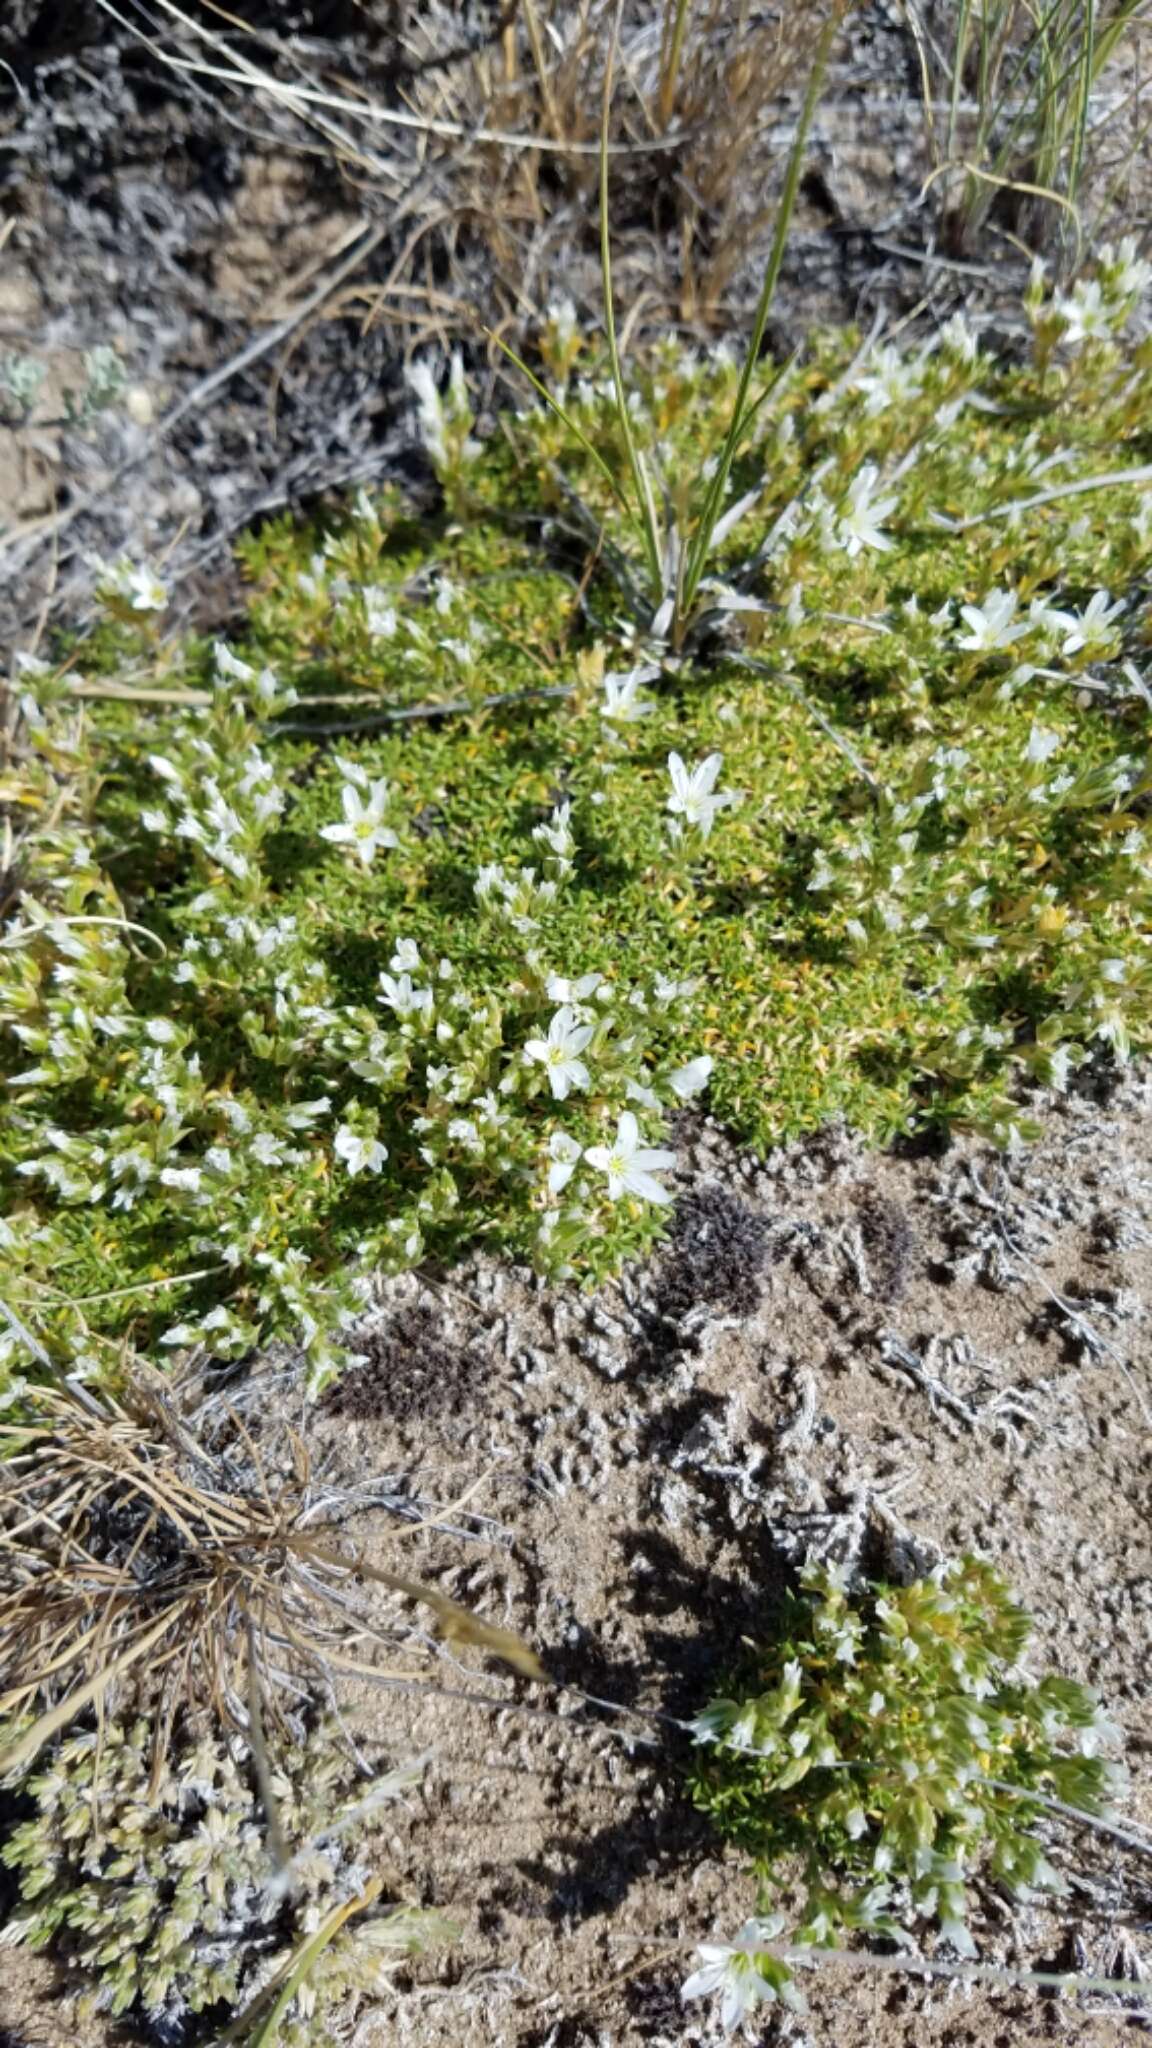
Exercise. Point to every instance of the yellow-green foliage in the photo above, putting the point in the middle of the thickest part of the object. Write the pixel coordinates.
(934, 885)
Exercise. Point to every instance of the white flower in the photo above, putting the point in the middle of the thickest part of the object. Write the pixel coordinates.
(557, 836)
(303, 1114)
(731, 1969)
(406, 958)
(1041, 745)
(564, 1153)
(360, 1155)
(991, 624)
(561, 990)
(1093, 627)
(1127, 275)
(630, 1166)
(688, 1081)
(186, 1178)
(1087, 314)
(131, 581)
(399, 994)
(267, 1149)
(860, 526)
(421, 381)
(1048, 618)
(559, 1053)
(694, 792)
(363, 826)
(958, 339)
(623, 703)
(561, 317)
(379, 613)
(890, 380)
(437, 416)
(230, 665)
(666, 991)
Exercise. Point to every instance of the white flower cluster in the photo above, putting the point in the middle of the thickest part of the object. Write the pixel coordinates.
(249, 1100)
(1099, 308)
(446, 418)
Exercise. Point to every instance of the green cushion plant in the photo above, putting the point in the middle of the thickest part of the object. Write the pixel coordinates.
(405, 922)
(881, 1753)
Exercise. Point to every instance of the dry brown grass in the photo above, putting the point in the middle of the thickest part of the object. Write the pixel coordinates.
(155, 1548)
(486, 154)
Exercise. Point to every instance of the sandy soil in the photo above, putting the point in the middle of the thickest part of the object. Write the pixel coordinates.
(838, 1354)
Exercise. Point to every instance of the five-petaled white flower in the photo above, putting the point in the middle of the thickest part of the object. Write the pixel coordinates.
(630, 1166)
(1094, 627)
(993, 624)
(559, 1053)
(623, 704)
(694, 792)
(861, 523)
(733, 1969)
(360, 1154)
(397, 991)
(134, 583)
(362, 826)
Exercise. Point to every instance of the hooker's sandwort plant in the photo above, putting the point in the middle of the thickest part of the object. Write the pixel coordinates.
(156, 1889)
(887, 1750)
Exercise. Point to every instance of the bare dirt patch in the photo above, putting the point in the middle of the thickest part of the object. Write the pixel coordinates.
(837, 1353)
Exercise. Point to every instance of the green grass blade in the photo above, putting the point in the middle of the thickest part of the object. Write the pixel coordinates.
(645, 511)
(702, 538)
(1083, 96)
(672, 34)
(555, 406)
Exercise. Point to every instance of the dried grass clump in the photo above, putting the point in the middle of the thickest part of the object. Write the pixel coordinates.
(148, 1553)
(482, 140)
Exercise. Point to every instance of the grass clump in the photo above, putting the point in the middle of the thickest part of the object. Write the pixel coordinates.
(882, 1754)
(409, 920)
(153, 1880)
(148, 1546)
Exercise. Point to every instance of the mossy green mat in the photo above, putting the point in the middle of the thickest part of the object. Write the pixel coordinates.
(933, 885)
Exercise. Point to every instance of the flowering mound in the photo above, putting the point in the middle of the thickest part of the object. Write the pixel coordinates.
(880, 1757)
(405, 922)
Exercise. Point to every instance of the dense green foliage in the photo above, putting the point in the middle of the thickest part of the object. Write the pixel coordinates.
(251, 1059)
(879, 1755)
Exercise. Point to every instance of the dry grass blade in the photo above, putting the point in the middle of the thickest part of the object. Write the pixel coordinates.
(140, 1546)
(491, 147)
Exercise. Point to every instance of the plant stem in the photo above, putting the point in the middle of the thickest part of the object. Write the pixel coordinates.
(670, 59)
(702, 538)
(645, 509)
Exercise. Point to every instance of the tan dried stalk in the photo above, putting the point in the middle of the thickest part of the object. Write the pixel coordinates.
(132, 1552)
